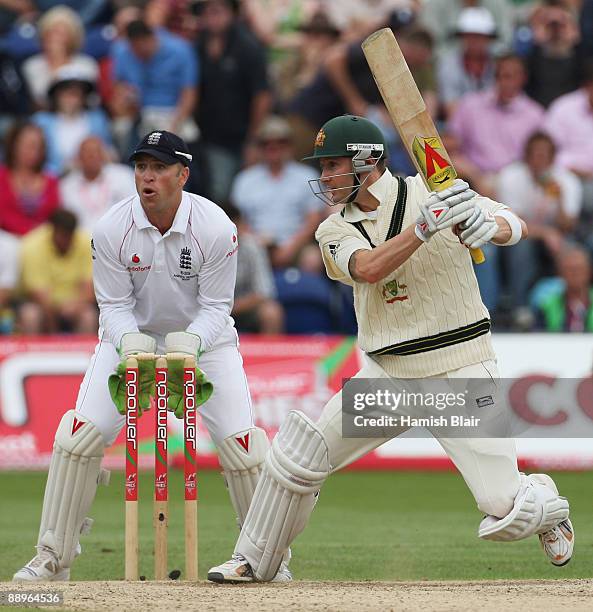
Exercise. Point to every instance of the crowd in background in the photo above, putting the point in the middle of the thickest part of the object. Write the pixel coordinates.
(247, 84)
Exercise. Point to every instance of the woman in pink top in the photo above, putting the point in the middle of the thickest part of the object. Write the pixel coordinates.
(28, 195)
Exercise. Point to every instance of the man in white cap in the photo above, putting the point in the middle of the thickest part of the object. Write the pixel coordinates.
(469, 67)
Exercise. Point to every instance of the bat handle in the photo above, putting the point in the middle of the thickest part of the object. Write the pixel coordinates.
(477, 256)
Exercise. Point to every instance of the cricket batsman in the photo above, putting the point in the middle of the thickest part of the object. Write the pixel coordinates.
(393, 237)
(164, 267)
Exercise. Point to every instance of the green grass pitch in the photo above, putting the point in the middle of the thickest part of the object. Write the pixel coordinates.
(366, 526)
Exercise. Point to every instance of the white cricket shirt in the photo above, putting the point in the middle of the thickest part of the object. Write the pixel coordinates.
(183, 280)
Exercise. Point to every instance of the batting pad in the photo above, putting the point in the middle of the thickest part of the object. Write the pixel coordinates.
(296, 466)
(241, 457)
(537, 509)
(74, 473)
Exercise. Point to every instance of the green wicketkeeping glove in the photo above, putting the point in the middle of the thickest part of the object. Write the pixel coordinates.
(146, 387)
(175, 386)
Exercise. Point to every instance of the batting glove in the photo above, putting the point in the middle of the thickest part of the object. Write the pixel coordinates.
(448, 207)
(175, 401)
(422, 231)
(479, 229)
(146, 385)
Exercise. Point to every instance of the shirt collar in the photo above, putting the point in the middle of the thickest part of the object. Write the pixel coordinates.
(179, 222)
(380, 189)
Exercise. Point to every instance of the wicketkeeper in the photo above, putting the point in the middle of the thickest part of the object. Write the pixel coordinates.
(394, 238)
(164, 264)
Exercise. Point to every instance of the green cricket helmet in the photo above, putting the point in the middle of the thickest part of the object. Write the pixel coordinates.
(347, 135)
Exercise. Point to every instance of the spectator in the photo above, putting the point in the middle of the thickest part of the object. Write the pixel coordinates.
(56, 279)
(570, 123)
(89, 11)
(274, 195)
(358, 18)
(470, 67)
(14, 94)
(276, 24)
(234, 94)
(255, 308)
(159, 70)
(297, 69)
(61, 33)
(176, 16)
(9, 270)
(120, 99)
(553, 62)
(95, 184)
(569, 308)
(492, 126)
(548, 199)
(28, 194)
(12, 10)
(70, 120)
(441, 17)
(343, 83)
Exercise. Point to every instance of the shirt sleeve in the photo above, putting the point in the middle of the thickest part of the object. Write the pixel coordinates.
(114, 289)
(337, 245)
(216, 286)
(190, 74)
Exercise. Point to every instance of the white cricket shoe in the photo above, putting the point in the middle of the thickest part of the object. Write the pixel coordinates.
(43, 567)
(284, 574)
(237, 569)
(558, 543)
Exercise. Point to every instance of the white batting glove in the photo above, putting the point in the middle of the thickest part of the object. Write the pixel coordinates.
(183, 342)
(479, 229)
(422, 231)
(448, 207)
(133, 343)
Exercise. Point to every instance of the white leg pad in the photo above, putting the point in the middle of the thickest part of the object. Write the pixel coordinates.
(74, 473)
(296, 466)
(241, 457)
(537, 509)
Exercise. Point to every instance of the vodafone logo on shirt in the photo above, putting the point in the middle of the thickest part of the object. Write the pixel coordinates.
(136, 260)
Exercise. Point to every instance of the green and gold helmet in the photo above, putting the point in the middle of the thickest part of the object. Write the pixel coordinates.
(347, 135)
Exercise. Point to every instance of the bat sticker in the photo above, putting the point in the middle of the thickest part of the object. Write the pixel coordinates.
(430, 155)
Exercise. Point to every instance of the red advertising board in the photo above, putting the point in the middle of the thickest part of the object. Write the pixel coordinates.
(39, 380)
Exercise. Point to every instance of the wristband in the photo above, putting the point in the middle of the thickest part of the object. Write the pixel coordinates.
(514, 224)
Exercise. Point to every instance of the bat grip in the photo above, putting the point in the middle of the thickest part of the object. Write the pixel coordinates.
(477, 256)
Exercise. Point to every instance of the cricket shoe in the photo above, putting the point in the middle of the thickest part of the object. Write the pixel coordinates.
(558, 543)
(43, 567)
(234, 571)
(237, 570)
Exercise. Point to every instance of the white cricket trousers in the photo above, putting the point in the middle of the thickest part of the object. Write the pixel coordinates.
(488, 465)
(228, 411)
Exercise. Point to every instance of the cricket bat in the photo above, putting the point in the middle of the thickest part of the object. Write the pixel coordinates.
(409, 115)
